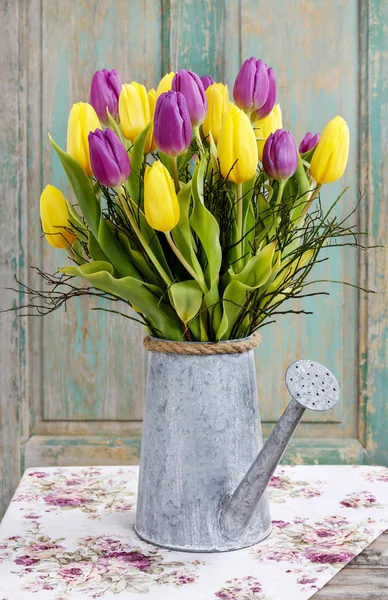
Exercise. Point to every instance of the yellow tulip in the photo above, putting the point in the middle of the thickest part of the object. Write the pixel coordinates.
(161, 204)
(165, 84)
(82, 120)
(218, 104)
(150, 145)
(264, 127)
(331, 154)
(237, 143)
(54, 214)
(134, 109)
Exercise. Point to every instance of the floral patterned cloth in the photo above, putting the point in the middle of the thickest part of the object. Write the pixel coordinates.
(68, 534)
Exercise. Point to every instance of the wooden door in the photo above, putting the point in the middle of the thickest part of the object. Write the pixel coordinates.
(72, 384)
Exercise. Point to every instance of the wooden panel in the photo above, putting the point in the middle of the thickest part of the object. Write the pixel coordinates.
(356, 584)
(66, 450)
(13, 336)
(374, 152)
(93, 363)
(317, 72)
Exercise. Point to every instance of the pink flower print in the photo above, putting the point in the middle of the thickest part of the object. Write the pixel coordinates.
(54, 500)
(38, 474)
(280, 524)
(304, 580)
(136, 559)
(276, 482)
(335, 519)
(328, 557)
(25, 560)
(182, 578)
(81, 572)
(360, 500)
(325, 537)
(41, 551)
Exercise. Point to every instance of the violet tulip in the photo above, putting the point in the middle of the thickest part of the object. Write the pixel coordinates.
(110, 161)
(190, 85)
(172, 126)
(254, 89)
(207, 81)
(104, 94)
(280, 156)
(309, 142)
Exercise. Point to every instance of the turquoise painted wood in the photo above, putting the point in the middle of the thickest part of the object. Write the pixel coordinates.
(80, 393)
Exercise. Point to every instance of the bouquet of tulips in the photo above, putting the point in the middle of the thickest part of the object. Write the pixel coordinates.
(196, 211)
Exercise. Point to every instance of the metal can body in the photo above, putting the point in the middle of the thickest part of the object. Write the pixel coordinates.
(201, 433)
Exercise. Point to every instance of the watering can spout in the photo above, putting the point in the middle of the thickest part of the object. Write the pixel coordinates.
(311, 386)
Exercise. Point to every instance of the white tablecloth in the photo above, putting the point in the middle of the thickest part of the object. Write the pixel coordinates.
(68, 534)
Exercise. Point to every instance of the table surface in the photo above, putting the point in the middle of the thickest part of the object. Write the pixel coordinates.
(364, 578)
(109, 493)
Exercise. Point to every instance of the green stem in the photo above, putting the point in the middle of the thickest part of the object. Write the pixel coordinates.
(309, 203)
(144, 242)
(239, 223)
(280, 192)
(184, 262)
(174, 163)
(198, 138)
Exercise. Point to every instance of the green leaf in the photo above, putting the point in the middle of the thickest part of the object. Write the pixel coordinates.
(258, 268)
(185, 158)
(91, 210)
(138, 259)
(186, 297)
(147, 298)
(137, 158)
(166, 161)
(308, 156)
(152, 239)
(113, 125)
(255, 274)
(269, 220)
(182, 234)
(95, 250)
(297, 187)
(206, 227)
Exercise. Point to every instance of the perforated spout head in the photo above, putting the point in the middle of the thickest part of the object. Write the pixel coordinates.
(312, 385)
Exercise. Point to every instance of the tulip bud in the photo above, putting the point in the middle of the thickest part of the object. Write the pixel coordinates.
(110, 161)
(280, 156)
(104, 94)
(331, 154)
(82, 120)
(264, 127)
(309, 142)
(255, 88)
(150, 144)
(134, 110)
(237, 148)
(161, 204)
(172, 126)
(165, 84)
(206, 81)
(54, 214)
(268, 105)
(217, 96)
(190, 85)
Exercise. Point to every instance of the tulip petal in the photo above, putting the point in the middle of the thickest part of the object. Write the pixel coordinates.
(172, 125)
(161, 205)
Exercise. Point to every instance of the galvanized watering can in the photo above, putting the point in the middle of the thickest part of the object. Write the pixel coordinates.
(204, 469)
